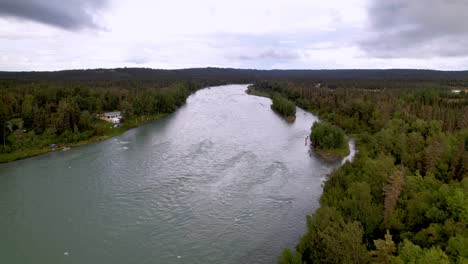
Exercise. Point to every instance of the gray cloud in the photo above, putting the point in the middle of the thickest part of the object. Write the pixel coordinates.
(272, 54)
(417, 29)
(66, 14)
(278, 46)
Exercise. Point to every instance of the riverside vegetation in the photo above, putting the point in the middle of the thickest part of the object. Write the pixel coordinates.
(284, 107)
(279, 104)
(404, 198)
(329, 141)
(37, 113)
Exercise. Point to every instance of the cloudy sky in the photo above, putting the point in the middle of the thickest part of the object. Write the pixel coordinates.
(264, 34)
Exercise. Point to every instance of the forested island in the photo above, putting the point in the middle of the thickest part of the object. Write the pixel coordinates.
(404, 198)
(328, 141)
(284, 107)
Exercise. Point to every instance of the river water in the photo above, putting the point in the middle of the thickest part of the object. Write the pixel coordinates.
(222, 180)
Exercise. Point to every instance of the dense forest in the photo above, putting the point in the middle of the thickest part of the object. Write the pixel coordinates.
(404, 198)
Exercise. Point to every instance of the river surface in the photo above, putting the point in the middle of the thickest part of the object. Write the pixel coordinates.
(222, 180)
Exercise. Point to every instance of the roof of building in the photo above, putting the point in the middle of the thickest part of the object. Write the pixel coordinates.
(112, 113)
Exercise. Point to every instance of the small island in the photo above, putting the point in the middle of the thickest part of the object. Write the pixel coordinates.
(284, 107)
(328, 141)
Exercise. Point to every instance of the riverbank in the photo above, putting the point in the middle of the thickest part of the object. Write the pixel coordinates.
(289, 119)
(332, 155)
(329, 141)
(252, 91)
(112, 132)
(328, 155)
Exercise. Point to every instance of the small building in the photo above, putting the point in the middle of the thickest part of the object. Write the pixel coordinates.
(113, 117)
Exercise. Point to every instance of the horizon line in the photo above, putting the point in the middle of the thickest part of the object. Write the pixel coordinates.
(232, 68)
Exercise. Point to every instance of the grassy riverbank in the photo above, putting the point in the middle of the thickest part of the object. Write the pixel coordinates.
(110, 132)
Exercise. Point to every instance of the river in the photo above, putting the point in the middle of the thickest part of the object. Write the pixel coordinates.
(222, 180)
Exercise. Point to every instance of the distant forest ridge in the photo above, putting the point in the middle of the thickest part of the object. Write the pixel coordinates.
(235, 75)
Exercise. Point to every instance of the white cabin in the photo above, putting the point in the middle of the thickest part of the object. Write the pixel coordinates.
(113, 117)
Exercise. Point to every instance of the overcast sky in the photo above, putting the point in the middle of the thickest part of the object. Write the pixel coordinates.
(264, 34)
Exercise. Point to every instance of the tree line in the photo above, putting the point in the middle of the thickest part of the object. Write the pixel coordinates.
(231, 75)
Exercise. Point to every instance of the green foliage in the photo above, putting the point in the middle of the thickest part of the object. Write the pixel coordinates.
(384, 249)
(410, 253)
(330, 239)
(283, 106)
(457, 248)
(326, 136)
(289, 257)
(328, 141)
